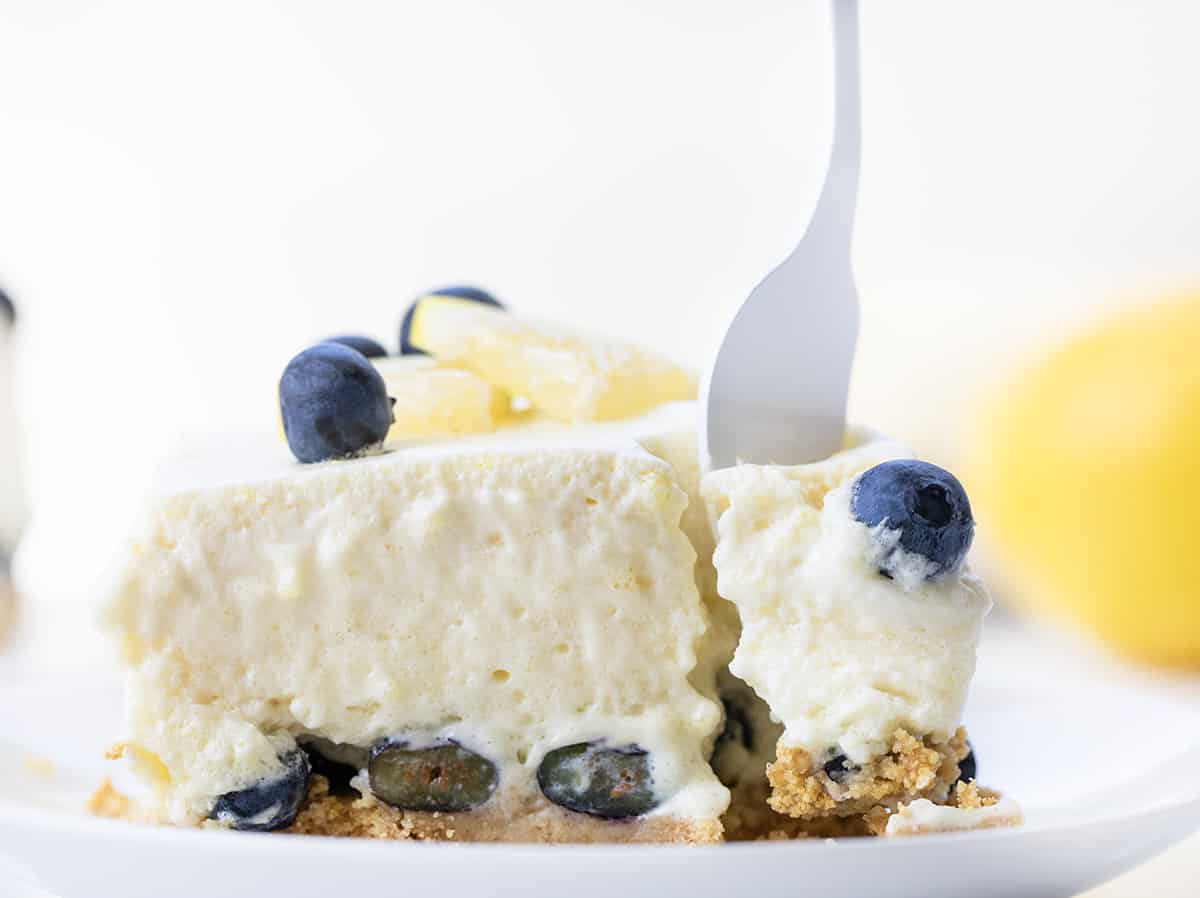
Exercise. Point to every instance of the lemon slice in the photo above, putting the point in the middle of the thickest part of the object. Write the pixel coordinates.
(563, 375)
(436, 401)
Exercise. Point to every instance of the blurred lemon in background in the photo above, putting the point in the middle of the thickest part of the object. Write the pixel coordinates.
(1086, 472)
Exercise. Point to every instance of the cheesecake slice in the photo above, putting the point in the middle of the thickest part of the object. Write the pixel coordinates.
(496, 639)
(492, 605)
(862, 648)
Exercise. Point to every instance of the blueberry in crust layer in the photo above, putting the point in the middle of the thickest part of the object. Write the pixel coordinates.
(339, 764)
(968, 768)
(445, 777)
(271, 803)
(614, 783)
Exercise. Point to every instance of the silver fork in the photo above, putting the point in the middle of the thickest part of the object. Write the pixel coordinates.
(776, 391)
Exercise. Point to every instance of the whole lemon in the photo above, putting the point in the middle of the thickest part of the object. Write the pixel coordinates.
(1086, 477)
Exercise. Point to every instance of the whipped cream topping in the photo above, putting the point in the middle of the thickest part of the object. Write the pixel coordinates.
(909, 570)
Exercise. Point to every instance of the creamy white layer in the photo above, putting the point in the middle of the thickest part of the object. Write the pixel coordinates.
(842, 655)
(923, 816)
(518, 593)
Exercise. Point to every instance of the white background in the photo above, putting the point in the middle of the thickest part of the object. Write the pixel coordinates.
(191, 192)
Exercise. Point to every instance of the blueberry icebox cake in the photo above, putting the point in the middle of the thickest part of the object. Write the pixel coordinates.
(481, 590)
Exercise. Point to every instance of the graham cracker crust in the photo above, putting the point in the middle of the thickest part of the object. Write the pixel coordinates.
(106, 801)
(971, 797)
(914, 768)
(751, 819)
(506, 818)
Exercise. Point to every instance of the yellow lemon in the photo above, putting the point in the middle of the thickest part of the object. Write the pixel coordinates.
(1086, 478)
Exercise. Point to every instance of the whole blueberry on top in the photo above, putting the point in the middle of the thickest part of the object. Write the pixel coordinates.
(334, 403)
(7, 310)
(475, 294)
(372, 349)
(926, 504)
(270, 804)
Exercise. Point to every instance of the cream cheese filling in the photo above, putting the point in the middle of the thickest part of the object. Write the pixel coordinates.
(842, 655)
(516, 594)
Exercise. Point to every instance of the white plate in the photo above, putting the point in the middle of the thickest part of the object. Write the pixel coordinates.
(1108, 773)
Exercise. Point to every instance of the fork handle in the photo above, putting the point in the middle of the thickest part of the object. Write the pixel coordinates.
(834, 215)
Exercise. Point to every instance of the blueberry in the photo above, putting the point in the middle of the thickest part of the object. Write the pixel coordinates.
(445, 777)
(7, 309)
(925, 503)
(336, 761)
(472, 293)
(613, 783)
(368, 347)
(839, 768)
(334, 403)
(270, 804)
(966, 767)
(738, 729)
